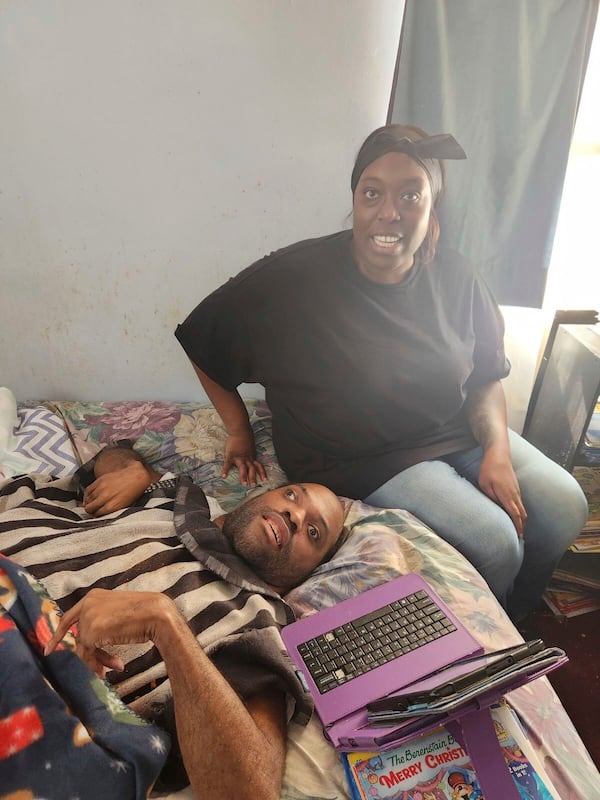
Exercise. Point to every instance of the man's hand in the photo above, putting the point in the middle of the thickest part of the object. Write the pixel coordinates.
(212, 721)
(112, 617)
(115, 490)
(240, 452)
(497, 479)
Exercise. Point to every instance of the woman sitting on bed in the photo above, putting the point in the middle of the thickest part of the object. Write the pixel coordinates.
(382, 358)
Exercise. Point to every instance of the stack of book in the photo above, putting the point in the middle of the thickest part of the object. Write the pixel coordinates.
(575, 585)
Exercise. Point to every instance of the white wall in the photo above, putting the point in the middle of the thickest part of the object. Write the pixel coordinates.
(150, 149)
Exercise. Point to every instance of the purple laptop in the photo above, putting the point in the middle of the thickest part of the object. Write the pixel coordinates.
(372, 645)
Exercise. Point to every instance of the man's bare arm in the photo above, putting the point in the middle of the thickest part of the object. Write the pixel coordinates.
(214, 726)
(497, 479)
(216, 729)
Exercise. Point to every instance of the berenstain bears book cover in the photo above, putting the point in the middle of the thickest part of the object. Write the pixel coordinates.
(436, 767)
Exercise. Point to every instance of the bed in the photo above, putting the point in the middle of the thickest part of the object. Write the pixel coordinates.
(189, 438)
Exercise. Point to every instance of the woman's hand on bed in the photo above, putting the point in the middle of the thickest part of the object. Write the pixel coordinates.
(118, 489)
(240, 452)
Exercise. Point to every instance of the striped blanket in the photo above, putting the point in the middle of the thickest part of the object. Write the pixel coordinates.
(166, 545)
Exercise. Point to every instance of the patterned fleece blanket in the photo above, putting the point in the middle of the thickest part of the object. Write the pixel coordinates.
(64, 733)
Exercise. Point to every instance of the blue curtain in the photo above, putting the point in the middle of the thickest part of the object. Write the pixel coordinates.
(505, 77)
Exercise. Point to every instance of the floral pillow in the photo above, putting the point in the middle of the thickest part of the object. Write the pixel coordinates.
(184, 438)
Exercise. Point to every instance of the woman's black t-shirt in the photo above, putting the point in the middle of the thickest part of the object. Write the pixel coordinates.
(363, 379)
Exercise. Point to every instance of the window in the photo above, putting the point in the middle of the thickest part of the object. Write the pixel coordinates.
(574, 272)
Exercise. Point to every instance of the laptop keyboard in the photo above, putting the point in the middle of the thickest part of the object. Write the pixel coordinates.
(344, 653)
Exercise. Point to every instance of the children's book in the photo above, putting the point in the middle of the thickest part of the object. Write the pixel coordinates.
(436, 767)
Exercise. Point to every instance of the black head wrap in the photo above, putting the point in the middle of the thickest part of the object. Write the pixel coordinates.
(425, 150)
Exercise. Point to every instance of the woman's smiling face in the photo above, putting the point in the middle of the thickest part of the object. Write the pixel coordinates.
(392, 205)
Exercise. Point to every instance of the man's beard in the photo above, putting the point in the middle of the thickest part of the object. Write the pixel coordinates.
(269, 563)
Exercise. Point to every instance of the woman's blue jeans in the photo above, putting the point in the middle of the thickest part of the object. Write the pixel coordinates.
(444, 494)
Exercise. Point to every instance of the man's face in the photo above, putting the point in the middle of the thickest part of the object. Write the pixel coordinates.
(285, 533)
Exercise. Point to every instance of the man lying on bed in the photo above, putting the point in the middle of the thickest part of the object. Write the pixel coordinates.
(198, 600)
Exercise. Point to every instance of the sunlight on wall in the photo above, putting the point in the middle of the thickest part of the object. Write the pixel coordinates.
(574, 272)
(526, 330)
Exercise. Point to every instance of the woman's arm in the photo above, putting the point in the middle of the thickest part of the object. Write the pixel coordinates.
(240, 450)
(229, 749)
(497, 479)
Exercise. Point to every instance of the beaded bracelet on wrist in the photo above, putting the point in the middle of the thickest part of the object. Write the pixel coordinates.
(166, 483)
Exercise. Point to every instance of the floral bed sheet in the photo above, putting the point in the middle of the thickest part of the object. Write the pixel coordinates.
(184, 438)
(189, 438)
